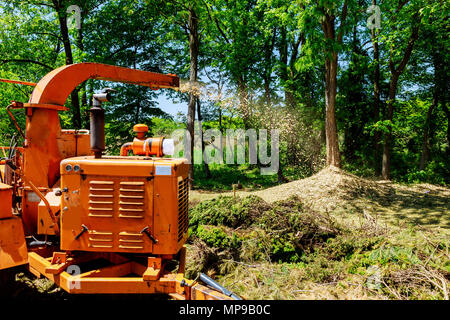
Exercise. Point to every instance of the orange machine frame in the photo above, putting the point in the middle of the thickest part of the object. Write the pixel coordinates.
(44, 138)
(44, 150)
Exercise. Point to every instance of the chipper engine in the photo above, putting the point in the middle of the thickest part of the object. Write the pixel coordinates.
(93, 223)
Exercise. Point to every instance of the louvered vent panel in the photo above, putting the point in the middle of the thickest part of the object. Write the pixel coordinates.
(132, 199)
(131, 240)
(100, 239)
(101, 199)
(183, 202)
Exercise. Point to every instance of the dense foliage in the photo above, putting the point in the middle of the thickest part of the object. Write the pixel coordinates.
(341, 89)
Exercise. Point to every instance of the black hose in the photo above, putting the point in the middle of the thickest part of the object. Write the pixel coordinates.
(10, 145)
(11, 155)
(13, 151)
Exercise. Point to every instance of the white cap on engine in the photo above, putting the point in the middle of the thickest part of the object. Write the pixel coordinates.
(168, 147)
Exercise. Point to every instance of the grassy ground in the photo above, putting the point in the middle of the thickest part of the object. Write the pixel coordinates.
(249, 176)
(286, 250)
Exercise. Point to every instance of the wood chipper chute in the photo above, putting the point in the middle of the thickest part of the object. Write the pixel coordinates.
(93, 223)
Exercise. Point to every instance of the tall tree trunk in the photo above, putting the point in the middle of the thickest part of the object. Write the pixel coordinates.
(267, 93)
(332, 143)
(437, 92)
(243, 101)
(386, 161)
(220, 120)
(376, 96)
(331, 66)
(200, 128)
(62, 17)
(283, 49)
(442, 86)
(194, 45)
(439, 96)
(268, 66)
(427, 134)
(447, 113)
(395, 75)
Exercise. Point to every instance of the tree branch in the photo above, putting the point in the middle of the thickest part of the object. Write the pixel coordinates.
(409, 48)
(216, 23)
(343, 18)
(49, 34)
(26, 61)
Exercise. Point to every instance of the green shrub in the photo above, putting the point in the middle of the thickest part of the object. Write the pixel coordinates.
(216, 237)
(434, 173)
(284, 251)
(228, 211)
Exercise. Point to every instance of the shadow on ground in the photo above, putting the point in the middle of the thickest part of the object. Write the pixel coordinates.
(20, 285)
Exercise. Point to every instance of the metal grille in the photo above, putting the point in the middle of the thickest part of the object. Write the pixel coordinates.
(132, 199)
(117, 200)
(183, 202)
(101, 199)
(130, 240)
(100, 239)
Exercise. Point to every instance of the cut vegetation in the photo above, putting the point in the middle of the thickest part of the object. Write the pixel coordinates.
(330, 236)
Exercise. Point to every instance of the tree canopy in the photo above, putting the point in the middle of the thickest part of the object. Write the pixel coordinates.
(357, 84)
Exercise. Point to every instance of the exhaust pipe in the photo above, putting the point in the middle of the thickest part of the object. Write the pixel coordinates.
(97, 122)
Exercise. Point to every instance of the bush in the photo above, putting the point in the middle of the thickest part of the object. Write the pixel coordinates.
(254, 230)
(217, 237)
(228, 211)
(434, 173)
(261, 244)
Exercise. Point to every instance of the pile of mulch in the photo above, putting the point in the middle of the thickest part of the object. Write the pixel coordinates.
(327, 189)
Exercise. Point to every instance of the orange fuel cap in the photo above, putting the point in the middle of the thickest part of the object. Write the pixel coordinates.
(140, 128)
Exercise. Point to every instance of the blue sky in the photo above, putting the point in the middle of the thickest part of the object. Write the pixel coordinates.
(168, 106)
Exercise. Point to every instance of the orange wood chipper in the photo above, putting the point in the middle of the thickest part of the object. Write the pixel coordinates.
(92, 223)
